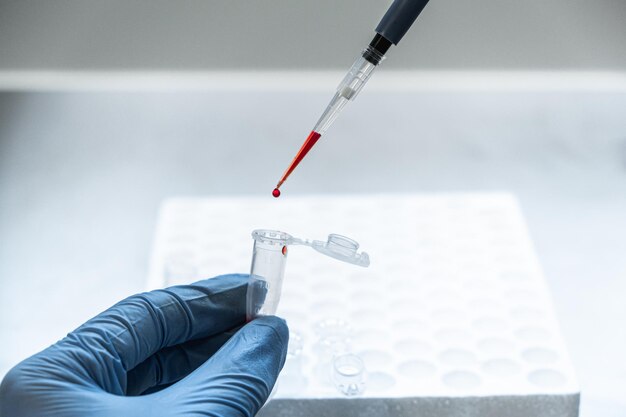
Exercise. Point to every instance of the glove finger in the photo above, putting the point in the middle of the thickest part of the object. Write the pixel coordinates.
(134, 329)
(237, 380)
(173, 363)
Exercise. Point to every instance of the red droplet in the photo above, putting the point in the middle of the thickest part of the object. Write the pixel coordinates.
(276, 192)
(284, 250)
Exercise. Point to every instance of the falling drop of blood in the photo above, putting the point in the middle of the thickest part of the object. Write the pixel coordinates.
(276, 192)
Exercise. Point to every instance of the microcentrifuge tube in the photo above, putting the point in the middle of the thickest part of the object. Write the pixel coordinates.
(349, 374)
(269, 257)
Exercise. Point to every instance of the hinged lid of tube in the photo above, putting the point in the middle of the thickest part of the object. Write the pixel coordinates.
(269, 258)
(336, 246)
(339, 247)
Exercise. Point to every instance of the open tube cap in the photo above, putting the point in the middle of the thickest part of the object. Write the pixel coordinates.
(337, 246)
(343, 249)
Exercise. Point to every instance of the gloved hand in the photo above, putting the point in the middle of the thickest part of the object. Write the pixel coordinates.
(163, 353)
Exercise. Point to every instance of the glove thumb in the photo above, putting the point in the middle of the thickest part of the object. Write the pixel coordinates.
(237, 380)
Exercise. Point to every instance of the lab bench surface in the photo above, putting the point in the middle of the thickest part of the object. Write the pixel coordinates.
(82, 176)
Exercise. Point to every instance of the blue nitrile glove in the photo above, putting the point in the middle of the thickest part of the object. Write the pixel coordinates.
(163, 353)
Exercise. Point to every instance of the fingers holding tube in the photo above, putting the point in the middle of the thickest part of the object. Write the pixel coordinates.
(173, 363)
(236, 380)
(136, 328)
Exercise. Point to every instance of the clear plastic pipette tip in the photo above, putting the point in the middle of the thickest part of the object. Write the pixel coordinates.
(348, 89)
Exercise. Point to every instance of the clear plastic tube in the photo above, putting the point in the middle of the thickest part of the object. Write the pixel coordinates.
(349, 374)
(269, 257)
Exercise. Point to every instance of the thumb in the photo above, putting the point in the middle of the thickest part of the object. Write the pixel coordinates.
(237, 380)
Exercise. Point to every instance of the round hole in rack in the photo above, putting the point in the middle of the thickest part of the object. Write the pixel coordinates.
(494, 346)
(293, 317)
(510, 259)
(478, 284)
(367, 317)
(333, 336)
(411, 326)
(458, 358)
(380, 381)
(527, 314)
(332, 327)
(514, 275)
(371, 337)
(322, 373)
(403, 306)
(404, 286)
(322, 270)
(501, 367)
(417, 369)
(484, 306)
(294, 295)
(328, 309)
(326, 291)
(375, 359)
(413, 347)
(462, 380)
(488, 325)
(453, 335)
(522, 296)
(533, 334)
(366, 296)
(447, 316)
(364, 278)
(444, 297)
(540, 355)
(547, 378)
(471, 265)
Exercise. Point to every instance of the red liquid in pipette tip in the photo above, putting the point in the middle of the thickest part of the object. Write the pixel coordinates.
(310, 141)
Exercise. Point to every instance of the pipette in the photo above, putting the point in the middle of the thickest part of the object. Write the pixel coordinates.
(392, 27)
